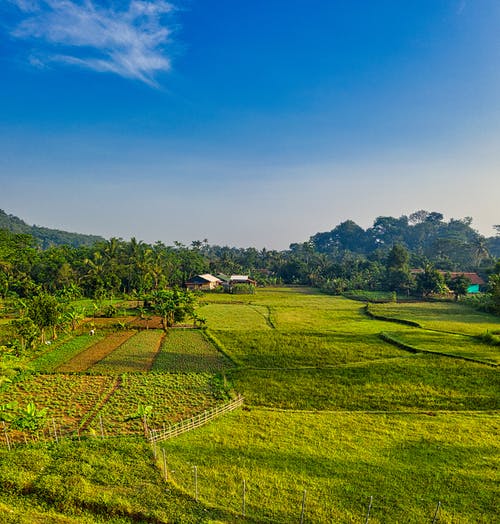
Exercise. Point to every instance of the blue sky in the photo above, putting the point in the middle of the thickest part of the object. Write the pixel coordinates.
(247, 123)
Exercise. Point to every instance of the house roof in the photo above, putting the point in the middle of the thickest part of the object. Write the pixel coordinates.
(474, 278)
(241, 279)
(210, 278)
(204, 278)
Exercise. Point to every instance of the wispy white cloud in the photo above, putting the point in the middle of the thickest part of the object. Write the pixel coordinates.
(129, 40)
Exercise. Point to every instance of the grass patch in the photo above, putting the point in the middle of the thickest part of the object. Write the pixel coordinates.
(342, 459)
(96, 481)
(458, 345)
(303, 349)
(410, 383)
(443, 316)
(235, 316)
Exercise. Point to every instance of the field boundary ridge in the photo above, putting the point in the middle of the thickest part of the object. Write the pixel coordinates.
(412, 349)
(367, 311)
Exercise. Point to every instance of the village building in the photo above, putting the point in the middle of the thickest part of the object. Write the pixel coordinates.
(475, 280)
(205, 282)
(241, 279)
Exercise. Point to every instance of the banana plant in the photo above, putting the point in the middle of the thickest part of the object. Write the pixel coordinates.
(30, 418)
(8, 411)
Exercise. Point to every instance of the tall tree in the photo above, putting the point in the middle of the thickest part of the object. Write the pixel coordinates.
(398, 277)
(44, 311)
(430, 281)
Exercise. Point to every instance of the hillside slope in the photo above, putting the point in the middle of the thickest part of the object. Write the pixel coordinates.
(46, 236)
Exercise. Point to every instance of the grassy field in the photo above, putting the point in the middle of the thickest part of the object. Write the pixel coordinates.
(331, 410)
(459, 345)
(94, 482)
(413, 383)
(406, 462)
(236, 317)
(443, 316)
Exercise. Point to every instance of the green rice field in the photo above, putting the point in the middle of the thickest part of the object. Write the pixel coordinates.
(334, 417)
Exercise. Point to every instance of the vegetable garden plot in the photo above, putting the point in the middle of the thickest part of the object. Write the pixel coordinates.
(135, 354)
(89, 357)
(188, 350)
(68, 398)
(172, 397)
(62, 351)
(148, 322)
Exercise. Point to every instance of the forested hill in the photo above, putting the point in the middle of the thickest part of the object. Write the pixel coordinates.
(46, 237)
(446, 243)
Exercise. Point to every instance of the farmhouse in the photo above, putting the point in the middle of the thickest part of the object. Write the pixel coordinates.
(241, 279)
(475, 280)
(204, 282)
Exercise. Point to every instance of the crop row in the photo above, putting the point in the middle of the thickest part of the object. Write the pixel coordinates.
(58, 354)
(67, 398)
(135, 354)
(186, 350)
(88, 358)
(73, 399)
(171, 397)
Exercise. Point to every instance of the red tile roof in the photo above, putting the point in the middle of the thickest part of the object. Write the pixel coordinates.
(474, 278)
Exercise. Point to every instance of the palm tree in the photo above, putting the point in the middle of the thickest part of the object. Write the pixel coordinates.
(479, 249)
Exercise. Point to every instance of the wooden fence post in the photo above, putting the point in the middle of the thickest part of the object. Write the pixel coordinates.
(303, 506)
(6, 435)
(196, 483)
(243, 503)
(165, 472)
(369, 509)
(436, 513)
(55, 430)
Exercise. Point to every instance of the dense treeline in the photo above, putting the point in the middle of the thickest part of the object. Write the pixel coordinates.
(345, 258)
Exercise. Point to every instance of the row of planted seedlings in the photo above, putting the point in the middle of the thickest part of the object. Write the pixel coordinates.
(104, 401)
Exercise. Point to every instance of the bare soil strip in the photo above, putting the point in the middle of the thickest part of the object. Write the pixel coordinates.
(152, 322)
(89, 357)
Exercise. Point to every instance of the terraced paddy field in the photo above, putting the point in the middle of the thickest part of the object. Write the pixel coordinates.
(333, 415)
(465, 346)
(443, 316)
